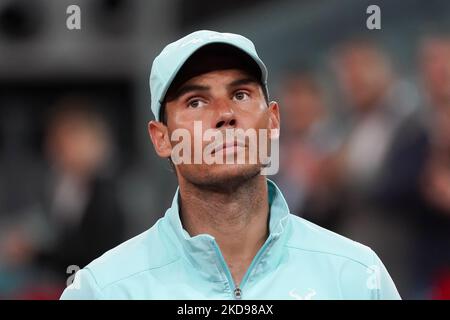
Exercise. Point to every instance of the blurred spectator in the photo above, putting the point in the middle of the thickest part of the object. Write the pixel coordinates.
(433, 262)
(384, 117)
(80, 217)
(435, 68)
(379, 165)
(307, 141)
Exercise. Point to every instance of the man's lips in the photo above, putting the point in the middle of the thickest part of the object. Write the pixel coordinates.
(226, 145)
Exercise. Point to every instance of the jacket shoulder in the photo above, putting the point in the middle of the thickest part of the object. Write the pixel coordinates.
(149, 250)
(310, 237)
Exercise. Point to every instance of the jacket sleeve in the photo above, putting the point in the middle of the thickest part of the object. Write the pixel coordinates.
(84, 287)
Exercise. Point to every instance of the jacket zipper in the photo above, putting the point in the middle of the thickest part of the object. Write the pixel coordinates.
(237, 290)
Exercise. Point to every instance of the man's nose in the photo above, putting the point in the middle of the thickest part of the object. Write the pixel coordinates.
(226, 116)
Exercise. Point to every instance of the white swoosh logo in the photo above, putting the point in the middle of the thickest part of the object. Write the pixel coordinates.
(308, 296)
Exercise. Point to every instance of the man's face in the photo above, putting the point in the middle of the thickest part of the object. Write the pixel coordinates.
(435, 64)
(364, 75)
(220, 100)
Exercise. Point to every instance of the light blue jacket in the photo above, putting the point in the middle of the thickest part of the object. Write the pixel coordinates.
(299, 260)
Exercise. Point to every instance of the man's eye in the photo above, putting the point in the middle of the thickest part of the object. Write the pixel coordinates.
(241, 95)
(195, 103)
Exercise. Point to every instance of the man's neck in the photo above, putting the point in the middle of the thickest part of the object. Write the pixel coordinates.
(238, 220)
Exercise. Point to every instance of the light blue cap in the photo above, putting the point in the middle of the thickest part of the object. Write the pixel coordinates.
(174, 55)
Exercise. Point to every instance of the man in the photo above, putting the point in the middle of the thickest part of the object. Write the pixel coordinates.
(228, 233)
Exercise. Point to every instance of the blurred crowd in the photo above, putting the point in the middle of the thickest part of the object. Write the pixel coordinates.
(372, 162)
(365, 154)
(66, 213)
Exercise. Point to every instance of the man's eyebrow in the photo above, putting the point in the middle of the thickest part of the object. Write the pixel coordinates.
(243, 81)
(188, 88)
(196, 87)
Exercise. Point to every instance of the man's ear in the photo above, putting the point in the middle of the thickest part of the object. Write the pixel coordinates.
(159, 135)
(274, 120)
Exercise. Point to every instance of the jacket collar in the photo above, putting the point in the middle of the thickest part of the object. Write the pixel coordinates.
(200, 250)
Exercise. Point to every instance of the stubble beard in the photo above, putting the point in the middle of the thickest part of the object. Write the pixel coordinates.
(224, 182)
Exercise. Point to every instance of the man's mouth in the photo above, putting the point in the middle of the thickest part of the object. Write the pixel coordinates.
(228, 147)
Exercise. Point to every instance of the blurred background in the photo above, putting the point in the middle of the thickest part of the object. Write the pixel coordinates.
(365, 138)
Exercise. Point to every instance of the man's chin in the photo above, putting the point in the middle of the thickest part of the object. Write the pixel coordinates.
(224, 176)
(233, 170)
